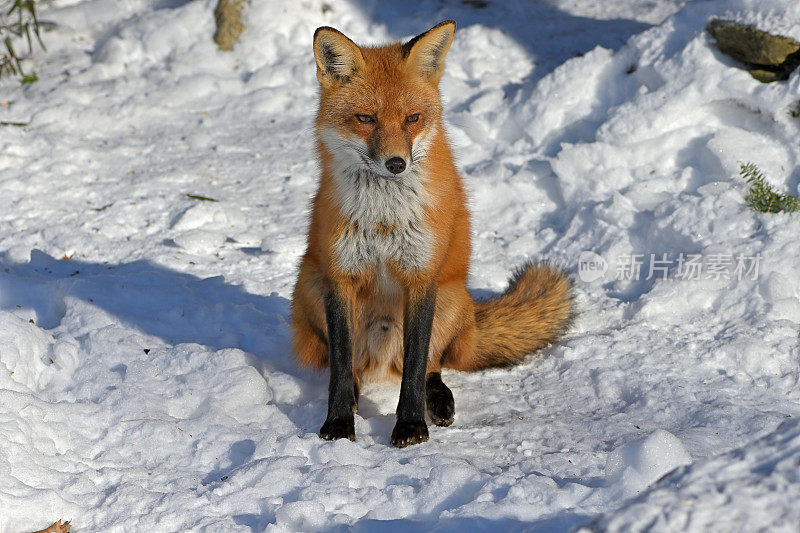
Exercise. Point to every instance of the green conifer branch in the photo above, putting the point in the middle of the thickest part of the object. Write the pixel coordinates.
(761, 196)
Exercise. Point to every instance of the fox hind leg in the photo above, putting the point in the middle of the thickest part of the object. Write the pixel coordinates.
(310, 346)
(356, 392)
(439, 400)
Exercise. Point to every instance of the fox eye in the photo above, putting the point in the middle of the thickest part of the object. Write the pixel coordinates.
(410, 119)
(366, 119)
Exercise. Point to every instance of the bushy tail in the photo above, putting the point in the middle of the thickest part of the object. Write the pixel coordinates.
(535, 311)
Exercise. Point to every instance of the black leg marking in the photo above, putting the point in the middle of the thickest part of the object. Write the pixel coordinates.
(411, 427)
(439, 399)
(341, 393)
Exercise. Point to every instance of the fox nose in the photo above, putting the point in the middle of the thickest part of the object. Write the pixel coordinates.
(396, 165)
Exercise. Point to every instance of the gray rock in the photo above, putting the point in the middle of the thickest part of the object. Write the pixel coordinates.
(768, 57)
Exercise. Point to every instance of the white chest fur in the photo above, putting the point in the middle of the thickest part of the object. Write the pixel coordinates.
(387, 221)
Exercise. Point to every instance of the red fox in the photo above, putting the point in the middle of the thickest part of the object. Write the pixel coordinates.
(382, 290)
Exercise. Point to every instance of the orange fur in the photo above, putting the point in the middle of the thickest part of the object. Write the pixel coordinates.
(391, 84)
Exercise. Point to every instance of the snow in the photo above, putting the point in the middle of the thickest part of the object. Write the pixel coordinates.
(642, 462)
(145, 375)
(762, 475)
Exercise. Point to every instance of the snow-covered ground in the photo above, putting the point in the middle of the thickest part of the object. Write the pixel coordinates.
(146, 382)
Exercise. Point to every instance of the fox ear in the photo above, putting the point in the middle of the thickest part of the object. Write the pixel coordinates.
(338, 58)
(426, 51)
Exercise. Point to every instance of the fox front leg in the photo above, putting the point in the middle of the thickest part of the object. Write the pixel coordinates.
(341, 393)
(410, 427)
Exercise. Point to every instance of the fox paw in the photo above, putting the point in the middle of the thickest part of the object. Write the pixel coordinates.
(338, 428)
(439, 401)
(407, 433)
(441, 410)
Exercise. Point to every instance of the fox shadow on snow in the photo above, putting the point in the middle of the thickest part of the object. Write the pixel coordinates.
(176, 307)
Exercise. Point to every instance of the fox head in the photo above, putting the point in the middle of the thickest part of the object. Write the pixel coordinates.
(380, 107)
